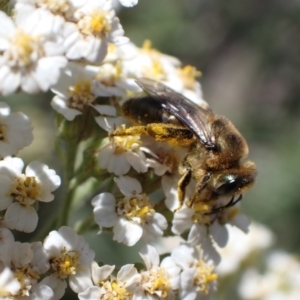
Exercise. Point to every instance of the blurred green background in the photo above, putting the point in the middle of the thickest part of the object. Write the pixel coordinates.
(249, 54)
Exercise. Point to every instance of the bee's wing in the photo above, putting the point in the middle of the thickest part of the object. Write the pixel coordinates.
(186, 111)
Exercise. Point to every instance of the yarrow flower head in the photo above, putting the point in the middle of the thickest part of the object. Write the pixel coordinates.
(76, 93)
(132, 217)
(31, 51)
(25, 263)
(197, 279)
(280, 280)
(159, 280)
(19, 191)
(70, 258)
(9, 284)
(88, 26)
(108, 286)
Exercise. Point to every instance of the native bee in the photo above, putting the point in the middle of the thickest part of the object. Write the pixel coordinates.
(216, 150)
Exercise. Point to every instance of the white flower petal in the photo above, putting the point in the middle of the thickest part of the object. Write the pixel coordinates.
(150, 256)
(21, 218)
(128, 186)
(128, 3)
(61, 107)
(126, 232)
(101, 273)
(92, 293)
(105, 210)
(81, 280)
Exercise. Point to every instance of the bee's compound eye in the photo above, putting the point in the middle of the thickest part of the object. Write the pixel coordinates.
(230, 185)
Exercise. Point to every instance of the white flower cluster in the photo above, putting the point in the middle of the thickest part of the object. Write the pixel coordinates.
(40, 270)
(76, 49)
(43, 36)
(280, 279)
(20, 191)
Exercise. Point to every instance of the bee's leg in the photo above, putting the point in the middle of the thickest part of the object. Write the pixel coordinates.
(170, 133)
(200, 192)
(231, 203)
(134, 130)
(183, 183)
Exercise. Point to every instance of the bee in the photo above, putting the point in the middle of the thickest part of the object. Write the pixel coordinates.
(216, 156)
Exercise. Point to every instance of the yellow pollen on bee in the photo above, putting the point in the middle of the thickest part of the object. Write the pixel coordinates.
(81, 95)
(201, 207)
(66, 264)
(232, 212)
(204, 276)
(25, 189)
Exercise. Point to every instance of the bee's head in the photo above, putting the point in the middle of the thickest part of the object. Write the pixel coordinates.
(232, 181)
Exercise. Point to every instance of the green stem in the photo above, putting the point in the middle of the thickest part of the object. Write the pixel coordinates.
(69, 186)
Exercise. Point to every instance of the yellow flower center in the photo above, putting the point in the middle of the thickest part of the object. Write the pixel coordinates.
(204, 276)
(66, 264)
(81, 95)
(24, 275)
(97, 24)
(25, 50)
(113, 290)
(109, 73)
(157, 282)
(137, 209)
(199, 216)
(156, 70)
(188, 75)
(124, 143)
(25, 189)
(55, 6)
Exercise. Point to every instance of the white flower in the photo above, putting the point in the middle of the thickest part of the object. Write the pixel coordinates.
(111, 287)
(91, 26)
(197, 279)
(75, 92)
(9, 285)
(28, 262)
(70, 257)
(132, 217)
(20, 191)
(110, 82)
(31, 51)
(240, 246)
(150, 63)
(121, 152)
(281, 279)
(128, 3)
(159, 280)
(15, 131)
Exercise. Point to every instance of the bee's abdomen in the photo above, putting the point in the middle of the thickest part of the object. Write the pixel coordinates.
(145, 111)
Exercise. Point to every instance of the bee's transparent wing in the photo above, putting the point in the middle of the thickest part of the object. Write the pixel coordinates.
(187, 112)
